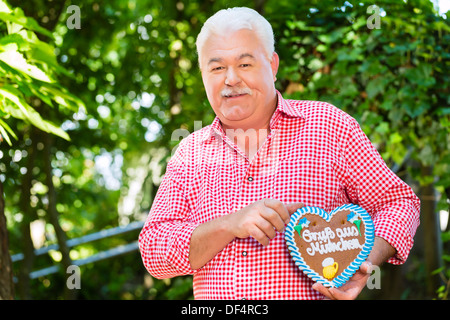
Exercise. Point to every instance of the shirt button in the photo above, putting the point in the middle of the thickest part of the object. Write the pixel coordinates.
(244, 253)
(250, 179)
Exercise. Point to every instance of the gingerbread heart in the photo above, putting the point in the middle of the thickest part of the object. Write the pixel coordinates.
(330, 247)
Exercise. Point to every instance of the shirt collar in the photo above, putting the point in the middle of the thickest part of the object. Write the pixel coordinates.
(283, 107)
(214, 128)
(287, 107)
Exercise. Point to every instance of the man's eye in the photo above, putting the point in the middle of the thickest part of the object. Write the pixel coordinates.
(245, 65)
(217, 69)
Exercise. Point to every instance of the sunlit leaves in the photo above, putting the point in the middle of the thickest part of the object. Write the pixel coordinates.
(16, 60)
(28, 68)
(15, 106)
(395, 73)
(16, 18)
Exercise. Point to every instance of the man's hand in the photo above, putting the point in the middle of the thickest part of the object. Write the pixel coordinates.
(260, 220)
(351, 289)
(381, 251)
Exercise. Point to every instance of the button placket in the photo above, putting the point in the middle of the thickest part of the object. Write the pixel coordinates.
(242, 268)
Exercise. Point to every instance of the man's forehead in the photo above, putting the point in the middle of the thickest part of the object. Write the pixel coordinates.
(234, 44)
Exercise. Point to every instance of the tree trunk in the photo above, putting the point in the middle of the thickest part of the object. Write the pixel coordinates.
(432, 239)
(26, 265)
(259, 6)
(53, 213)
(6, 275)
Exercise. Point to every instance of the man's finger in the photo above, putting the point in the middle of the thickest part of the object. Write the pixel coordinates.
(321, 289)
(267, 226)
(284, 210)
(274, 218)
(279, 207)
(259, 235)
(293, 206)
(366, 267)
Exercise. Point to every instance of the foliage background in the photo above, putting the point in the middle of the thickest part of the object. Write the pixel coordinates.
(133, 90)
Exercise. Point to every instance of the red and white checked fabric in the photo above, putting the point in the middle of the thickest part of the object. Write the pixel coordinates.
(315, 154)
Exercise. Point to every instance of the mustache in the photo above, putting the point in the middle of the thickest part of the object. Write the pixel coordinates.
(227, 92)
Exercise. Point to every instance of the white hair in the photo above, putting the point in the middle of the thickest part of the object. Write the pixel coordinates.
(235, 19)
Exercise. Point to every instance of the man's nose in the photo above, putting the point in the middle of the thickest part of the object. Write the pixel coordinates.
(232, 78)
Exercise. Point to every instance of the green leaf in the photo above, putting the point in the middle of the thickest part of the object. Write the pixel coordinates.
(437, 271)
(374, 87)
(20, 109)
(17, 61)
(445, 236)
(63, 97)
(17, 16)
(395, 138)
(378, 85)
(350, 54)
(42, 52)
(421, 75)
(382, 128)
(4, 130)
(15, 38)
(315, 64)
(4, 7)
(14, 96)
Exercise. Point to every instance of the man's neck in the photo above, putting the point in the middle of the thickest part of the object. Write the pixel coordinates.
(249, 141)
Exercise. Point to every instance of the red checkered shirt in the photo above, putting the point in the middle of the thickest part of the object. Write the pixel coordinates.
(315, 154)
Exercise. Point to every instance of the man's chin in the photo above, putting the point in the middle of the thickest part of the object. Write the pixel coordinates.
(234, 114)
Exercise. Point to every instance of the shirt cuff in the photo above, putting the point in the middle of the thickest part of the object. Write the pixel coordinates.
(397, 235)
(178, 254)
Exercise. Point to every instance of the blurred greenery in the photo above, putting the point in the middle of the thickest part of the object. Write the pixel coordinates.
(122, 90)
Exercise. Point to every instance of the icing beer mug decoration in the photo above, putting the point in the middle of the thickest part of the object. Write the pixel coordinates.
(329, 268)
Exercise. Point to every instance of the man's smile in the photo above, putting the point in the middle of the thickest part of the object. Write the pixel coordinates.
(234, 96)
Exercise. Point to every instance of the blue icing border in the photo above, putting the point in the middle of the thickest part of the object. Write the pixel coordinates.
(354, 266)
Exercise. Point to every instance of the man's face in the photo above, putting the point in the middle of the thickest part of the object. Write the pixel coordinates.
(239, 79)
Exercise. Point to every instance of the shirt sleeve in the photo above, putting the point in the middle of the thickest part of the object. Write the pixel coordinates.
(394, 207)
(165, 238)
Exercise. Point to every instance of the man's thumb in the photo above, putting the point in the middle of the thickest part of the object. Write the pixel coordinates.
(293, 206)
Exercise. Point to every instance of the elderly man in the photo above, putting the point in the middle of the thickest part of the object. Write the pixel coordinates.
(231, 187)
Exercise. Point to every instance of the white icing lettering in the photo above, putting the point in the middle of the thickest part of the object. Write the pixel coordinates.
(323, 235)
(320, 242)
(347, 232)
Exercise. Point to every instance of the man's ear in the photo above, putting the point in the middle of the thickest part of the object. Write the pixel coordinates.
(274, 64)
